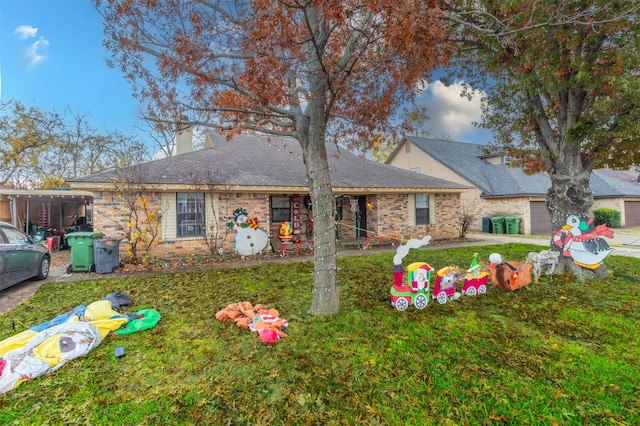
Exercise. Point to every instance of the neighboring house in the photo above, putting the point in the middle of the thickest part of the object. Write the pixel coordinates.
(198, 192)
(500, 190)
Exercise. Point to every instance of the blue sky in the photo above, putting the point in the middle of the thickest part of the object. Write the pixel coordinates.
(51, 57)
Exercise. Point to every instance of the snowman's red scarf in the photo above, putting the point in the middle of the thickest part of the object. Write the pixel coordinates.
(601, 230)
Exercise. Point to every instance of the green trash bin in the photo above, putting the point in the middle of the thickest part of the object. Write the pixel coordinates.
(42, 233)
(498, 224)
(82, 256)
(512, 225)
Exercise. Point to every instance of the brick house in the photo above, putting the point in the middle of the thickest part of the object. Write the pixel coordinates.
(499, 190)
(199, 191)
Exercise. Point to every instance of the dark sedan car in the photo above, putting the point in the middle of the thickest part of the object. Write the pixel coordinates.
(21, 257)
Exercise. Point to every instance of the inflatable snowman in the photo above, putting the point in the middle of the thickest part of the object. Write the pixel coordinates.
(249, 239)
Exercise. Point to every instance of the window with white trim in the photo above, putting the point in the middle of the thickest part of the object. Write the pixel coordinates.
(190, 214)
(422, 209)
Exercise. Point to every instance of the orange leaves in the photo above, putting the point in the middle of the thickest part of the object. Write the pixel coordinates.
(254, 65)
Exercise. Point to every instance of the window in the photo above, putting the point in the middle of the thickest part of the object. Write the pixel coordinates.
(14, 237)
(190, 214)
(280, 208)
(422, 209)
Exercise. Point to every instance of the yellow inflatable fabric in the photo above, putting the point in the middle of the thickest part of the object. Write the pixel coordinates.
(106, 326)
(49, 351)
(100, 310)
(16, 341)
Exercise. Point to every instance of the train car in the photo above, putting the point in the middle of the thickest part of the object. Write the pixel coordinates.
(475, 285)
(412, 286)
(444, 288)
(416, 288)
(475, 279)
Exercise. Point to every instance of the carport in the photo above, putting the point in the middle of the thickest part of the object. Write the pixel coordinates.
(54, 208)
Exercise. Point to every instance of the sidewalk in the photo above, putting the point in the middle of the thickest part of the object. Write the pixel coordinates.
(626, 242)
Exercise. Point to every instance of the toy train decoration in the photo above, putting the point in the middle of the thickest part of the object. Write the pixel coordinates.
(412, 286)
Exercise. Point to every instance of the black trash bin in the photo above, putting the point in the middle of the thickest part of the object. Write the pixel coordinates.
(106, 252)
(486, 225)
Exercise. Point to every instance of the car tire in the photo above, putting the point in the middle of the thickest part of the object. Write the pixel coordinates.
(43, 270)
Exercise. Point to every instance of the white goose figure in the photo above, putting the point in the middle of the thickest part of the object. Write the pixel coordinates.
(582, 241)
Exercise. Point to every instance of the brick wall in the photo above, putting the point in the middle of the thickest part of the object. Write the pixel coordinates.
(392, 217)
(387, 217)
(512, 206)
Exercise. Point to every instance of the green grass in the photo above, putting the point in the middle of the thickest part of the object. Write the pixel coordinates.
(556, 352)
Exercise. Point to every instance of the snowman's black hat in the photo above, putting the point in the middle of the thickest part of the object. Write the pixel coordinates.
(239, 212)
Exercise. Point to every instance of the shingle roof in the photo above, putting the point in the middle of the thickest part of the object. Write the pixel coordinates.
(498, 180)
(268, 161)
(615, 183)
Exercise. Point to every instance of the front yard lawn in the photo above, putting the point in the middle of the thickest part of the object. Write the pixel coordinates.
(554, 352)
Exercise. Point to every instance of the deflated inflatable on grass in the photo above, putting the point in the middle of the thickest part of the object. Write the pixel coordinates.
(147, 318)
(48, 351)
(46, 347)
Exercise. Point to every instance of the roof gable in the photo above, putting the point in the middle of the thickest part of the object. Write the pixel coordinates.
(499, 180)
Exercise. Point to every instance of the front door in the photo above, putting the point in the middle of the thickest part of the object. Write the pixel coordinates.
(362, 207)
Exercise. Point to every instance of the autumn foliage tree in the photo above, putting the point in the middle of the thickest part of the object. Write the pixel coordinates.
(136, 213)
(25, 135)
(563, 87)
(43, 149)
(316, 70)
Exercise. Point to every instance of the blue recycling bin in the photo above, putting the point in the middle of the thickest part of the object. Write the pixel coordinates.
(486, 225)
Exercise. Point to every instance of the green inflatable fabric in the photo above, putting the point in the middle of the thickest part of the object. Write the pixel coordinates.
(150, 318)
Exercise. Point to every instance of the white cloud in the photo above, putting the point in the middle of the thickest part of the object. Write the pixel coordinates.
(34, 55)
(451, 116)
(25, 31)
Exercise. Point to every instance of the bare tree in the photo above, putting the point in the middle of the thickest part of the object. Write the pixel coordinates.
(469, 211)
(26, 134)
(137, 215)
(214, 233)
(43, 149)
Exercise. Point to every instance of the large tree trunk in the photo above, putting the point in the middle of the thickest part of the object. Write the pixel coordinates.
(326, 300)
(312, 127)
(570, 193)
(311, 135)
